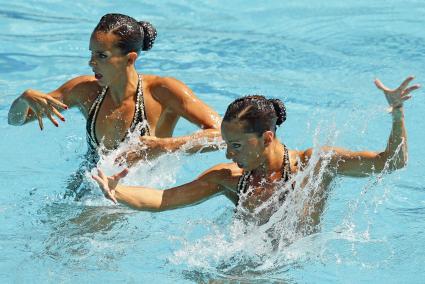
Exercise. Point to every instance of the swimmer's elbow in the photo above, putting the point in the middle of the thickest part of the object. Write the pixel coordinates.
(395, 163)
(398, 165)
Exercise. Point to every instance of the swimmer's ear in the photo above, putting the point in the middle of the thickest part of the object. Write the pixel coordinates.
(132, 56)
(268, 137)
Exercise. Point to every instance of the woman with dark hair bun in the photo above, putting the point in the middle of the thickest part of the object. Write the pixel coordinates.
(117, 99)
(262, 164)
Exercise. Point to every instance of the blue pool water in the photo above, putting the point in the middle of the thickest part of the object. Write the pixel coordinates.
(320, 57)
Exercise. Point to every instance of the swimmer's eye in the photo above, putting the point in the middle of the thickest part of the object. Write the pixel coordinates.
(99, 55)
(236, 145)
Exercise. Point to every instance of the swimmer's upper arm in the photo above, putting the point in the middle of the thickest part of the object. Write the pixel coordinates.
(176, 96)
(76, 91)
(349, 163)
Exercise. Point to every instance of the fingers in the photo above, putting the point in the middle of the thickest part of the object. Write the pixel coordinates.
(101, 174)
(57, 113)
(56, 103)
(103, 184)
(48, 111)
(98, 179)
(122, 174)
(405, 98)
(109, 195)
(40, 120)
(410, 89)
(49, 115)
(406, 83)
(381, 86)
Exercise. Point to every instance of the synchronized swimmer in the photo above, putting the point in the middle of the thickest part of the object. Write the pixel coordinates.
(261, 163)
(118, 100)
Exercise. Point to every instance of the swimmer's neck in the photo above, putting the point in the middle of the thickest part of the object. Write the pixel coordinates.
(273, 160)
(124, 86)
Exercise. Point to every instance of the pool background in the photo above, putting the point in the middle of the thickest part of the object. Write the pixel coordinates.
(320, 58)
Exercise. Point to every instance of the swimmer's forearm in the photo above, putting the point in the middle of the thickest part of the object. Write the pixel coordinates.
(18, 112)
(204, 140)
(396, 149)
(140, 198)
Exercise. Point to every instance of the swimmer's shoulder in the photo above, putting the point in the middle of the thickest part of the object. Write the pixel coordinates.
(299, 158)
(81, 84)
(225, 174)
(158, 81)
(164, 87)
(80, 90)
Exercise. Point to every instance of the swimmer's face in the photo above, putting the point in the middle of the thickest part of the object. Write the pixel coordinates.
(245, 149)
(107, 61)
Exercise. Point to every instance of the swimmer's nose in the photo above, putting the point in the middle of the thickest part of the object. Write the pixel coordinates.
(229, 153)
(91, 62)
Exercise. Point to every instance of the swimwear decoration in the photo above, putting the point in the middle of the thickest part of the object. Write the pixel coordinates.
(243, 183)
(139, 116)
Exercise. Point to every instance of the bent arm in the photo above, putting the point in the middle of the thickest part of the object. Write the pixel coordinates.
(179, 99)
(394, 156)
(364, 163)
(33, 104)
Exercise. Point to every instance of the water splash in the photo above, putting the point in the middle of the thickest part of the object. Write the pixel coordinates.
(290, 236)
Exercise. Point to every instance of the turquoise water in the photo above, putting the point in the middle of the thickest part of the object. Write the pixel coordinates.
(320, 58)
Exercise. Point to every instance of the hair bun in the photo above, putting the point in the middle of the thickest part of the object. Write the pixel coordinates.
(149, 35)
(280, 110)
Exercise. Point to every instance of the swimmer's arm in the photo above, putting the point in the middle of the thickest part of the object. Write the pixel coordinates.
(345, 162)
(33, 104)
(364, 163)
(179, 99)
(148, 199)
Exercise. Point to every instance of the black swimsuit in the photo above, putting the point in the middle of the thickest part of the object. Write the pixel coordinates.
(243, 183)
(76, 182)
(138, 119)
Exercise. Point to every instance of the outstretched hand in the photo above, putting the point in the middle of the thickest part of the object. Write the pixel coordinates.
(108, 184)
(396, 97)
(42, 104)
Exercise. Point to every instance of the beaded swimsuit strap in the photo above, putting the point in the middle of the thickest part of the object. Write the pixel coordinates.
(91, 133)
(139, 115)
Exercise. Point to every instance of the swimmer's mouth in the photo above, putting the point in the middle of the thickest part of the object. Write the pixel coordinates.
(98, 76)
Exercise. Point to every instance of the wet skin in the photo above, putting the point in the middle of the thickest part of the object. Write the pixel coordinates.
(166, 100)
(263, 155)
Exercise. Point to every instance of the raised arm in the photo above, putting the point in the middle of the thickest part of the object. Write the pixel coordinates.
(148, 199)
(33, 104)
(363, 163)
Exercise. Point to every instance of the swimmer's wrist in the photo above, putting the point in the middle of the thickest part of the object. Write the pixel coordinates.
(22, 99)
(397, 112)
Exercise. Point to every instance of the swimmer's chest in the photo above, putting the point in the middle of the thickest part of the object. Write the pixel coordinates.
(113, 123)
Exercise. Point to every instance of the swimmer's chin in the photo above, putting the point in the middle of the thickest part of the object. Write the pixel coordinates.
(100, 82)
(240, 165)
